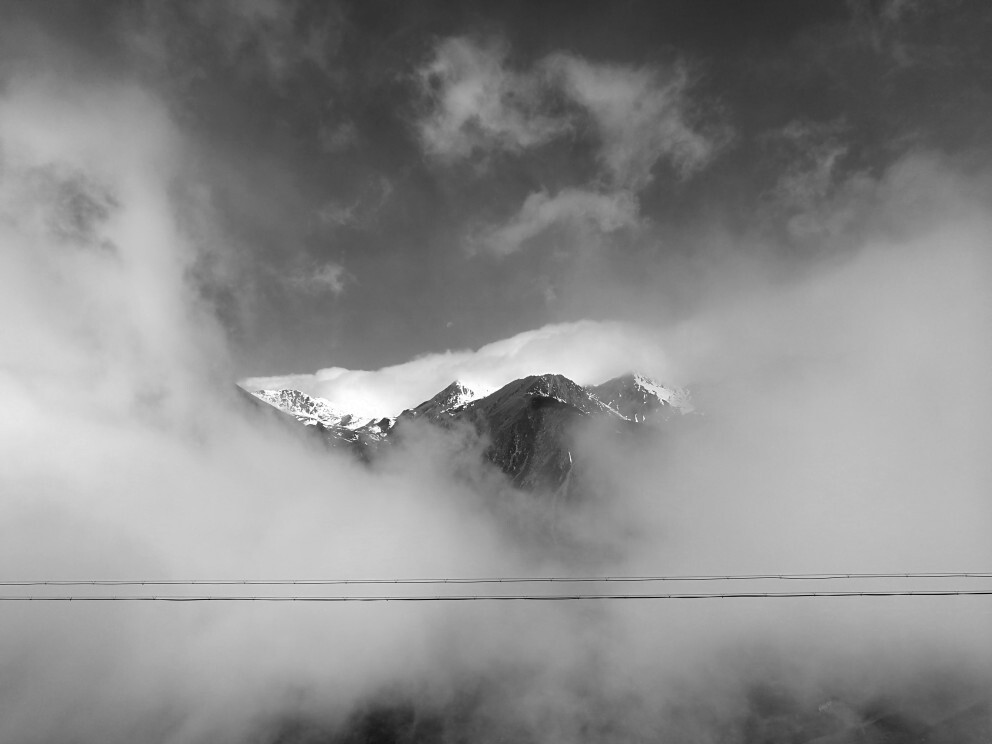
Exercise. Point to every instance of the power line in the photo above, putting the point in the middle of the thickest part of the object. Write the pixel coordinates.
(484, 597)
(495, 580)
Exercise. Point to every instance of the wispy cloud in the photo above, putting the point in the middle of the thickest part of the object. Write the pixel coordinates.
(577, 210)
(372, 197)
(477, 103)
(634, 117)
(330, 277)
(814, 152)
(817, 194)
(639, 113)
(267, 40)
(337, 137)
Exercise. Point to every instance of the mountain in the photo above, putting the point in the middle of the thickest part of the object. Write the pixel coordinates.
(531, 425)
(446, 403)
(310, 410)
(336, 428)
(637, 398)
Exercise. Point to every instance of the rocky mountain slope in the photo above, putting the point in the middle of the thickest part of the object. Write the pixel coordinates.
(637, 398)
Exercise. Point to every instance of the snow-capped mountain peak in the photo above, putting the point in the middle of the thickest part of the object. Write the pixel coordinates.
(452, 398)
(637, 398)
(311, 410)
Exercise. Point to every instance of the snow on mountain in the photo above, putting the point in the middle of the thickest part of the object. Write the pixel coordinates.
(450, 400)
(310, 410)
(638, 398)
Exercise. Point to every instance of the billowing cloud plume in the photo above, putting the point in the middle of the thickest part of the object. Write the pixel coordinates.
(127, 455)
(586, 351)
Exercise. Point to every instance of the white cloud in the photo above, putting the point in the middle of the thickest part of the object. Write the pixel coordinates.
(105, 303)
(640, 115)
(588, 352)
(479, 104)
(576, 209)
(125, 454)
(637, 116)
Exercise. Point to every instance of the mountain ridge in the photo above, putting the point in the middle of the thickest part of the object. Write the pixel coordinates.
(529, 424)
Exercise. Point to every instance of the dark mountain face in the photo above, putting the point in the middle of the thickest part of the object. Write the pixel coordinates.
(530, 425)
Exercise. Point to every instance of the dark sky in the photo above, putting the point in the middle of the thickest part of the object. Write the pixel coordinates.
(387, 179)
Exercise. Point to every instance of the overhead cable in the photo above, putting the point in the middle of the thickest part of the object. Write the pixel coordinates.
(483, 597)
(493, 580)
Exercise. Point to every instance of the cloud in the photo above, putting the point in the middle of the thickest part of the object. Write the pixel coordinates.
(266, 40)
(579, 211)
(127, 455)
(640, 115)
(337, 214)
(338, 137)
(478, 104)
(329, 277)
(86, 239)
(586, 351)
(636, 116)
(814, 152)
(818, 195)
(359, 213)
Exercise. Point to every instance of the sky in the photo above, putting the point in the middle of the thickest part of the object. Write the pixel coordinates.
(379, 181)
(786, 206)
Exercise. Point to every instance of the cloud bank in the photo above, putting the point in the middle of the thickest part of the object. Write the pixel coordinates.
(588, 352)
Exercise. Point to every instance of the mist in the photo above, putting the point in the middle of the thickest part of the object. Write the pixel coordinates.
(845, 425)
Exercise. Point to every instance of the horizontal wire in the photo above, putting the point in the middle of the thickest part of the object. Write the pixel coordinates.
(483, 597)
(494, 580)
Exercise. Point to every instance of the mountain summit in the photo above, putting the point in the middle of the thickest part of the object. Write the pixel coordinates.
(638, 398)
(450, 400)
